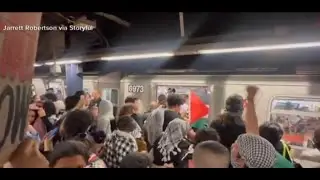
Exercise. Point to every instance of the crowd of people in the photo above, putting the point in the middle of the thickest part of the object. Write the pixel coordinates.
(84, 131)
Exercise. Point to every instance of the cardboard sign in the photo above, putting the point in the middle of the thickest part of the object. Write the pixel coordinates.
(17, 54)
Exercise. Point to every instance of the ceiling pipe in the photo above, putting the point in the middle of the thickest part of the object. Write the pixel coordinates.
(181, 20)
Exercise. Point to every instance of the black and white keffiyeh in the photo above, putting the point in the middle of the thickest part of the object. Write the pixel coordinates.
(256, 151)
(175, 132)
(117, 146)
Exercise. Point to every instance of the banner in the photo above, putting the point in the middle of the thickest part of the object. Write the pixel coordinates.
(17, 54)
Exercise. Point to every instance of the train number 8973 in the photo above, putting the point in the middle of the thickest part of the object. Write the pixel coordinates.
(135, 89)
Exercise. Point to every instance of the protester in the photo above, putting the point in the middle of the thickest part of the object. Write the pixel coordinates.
(230, 125)
(51, 117)
(153, 105)
(105, 115)
(69, 154)
(96, 98)
(211, 154)
(252, 151)
(37, 122)
(136, 160)
(162, 100)
(253, 128)
(79, 125)
(273, 132)
(172, 146)
(136, 108)
(120, 143)
(76, 123)
(207, 134)
(160, 118)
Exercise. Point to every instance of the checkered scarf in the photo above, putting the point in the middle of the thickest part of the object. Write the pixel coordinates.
(256, 151)
(175, 132)
(117, 146)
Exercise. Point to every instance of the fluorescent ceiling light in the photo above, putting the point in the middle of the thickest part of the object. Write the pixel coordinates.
(140, 56)
(63, 62)
(261, 48)
(37, 65)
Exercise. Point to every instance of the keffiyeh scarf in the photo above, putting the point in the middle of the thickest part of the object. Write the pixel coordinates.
(175, 132)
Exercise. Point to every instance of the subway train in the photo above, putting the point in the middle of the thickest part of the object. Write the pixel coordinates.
(291, 100)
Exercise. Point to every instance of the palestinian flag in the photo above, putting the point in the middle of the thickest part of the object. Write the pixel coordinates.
(198, 111)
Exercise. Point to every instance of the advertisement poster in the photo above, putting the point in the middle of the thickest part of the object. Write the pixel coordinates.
(196, 107)
(298, 117)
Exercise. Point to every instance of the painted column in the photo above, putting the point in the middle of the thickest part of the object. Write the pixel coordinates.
(18, 49)
(74, 80)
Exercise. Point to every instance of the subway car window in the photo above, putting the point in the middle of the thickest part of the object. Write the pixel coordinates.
(299, 117)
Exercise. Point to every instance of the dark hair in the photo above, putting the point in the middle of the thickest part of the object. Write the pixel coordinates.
(136, 160)
(126, 109)
(79, 93)
(229, 126)
(271, 131)
(162, 99)
(36, 116)
(126, 123)
(213, 147)
(206, 135)
(131, 99)
(316, 138)
(234, 104)
(51, 96)
(71, 102)
(49, 108)
(76, 122)
(68, 149)
(91, 136)
(171, 90)
(174, 100)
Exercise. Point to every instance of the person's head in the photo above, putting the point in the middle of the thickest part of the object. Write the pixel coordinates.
(162, 100)
(93, 139)
(51, 96)
(211, 154)
(79, 93)
(76, 123)
(252, 151)
(69, 154)
(174, 102)
(207, 134)
(96, 94)
(272, 132)
(135, 101)
(49, 108)
(153, 106)
(316, 138)
(32, 116)
(126, 124)
(186, 98)
(136, 160)
(35, 98)
(126, 110)
(171, 90)
(106, 109)
(234, 104)
(71, 102)
(229, 126)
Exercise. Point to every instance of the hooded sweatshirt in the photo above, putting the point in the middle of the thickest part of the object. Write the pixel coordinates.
(105, 116)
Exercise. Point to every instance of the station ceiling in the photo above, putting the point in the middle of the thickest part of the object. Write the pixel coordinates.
(130, 29)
